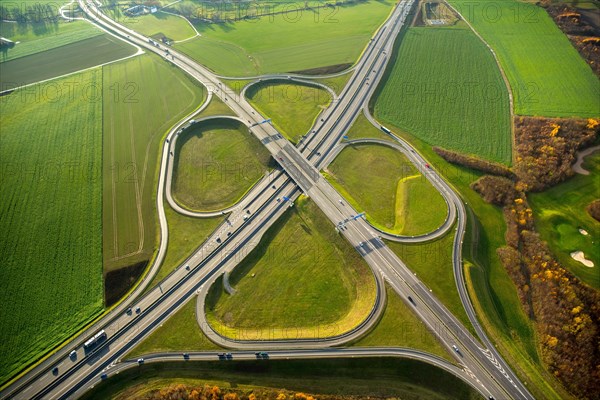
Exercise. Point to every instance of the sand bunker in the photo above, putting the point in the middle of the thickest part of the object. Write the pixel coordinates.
(579, 256)
(583, 232)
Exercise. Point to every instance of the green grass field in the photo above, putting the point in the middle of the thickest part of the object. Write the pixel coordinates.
(216, 163)
(292, 107)
(216, 107)
(143, 97)
(38, 37)
(432, 262)
(288, 42)
(362, 128)
(336, 83)
(60, 61)
(361, 377)
(50, 219)
(451, 95)
(179, 333)
(400, 327)
(302, 280)
(382, 182)
(547, 75)
(186, 234)
(559, 214)
(160, 23)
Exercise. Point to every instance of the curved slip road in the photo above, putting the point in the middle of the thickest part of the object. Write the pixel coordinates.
(358, 352)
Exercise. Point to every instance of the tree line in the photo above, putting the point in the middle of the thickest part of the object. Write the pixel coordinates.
(565, 311)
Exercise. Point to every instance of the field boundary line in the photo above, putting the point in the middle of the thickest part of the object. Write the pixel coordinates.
(186, 20)
(506, 82)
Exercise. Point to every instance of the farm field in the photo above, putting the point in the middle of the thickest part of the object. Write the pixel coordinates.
(451, 95)
(492, 291)
(179, 333)
(216, 163)
(50, 220)
(62, 60)
(400, 327)
(38, 37)
(143, 97)
(323, 287)
(362, 377)
(559, 215)
(292, 107)
(547, 75)
(382, 182)
(278, 44)
(161, 24)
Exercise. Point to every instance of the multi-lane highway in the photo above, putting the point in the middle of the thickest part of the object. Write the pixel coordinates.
(239, 234)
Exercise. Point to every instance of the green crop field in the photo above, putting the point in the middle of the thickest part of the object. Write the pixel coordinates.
(547, 75)
(382, 182)
(216, 162)
(452, 95)
(62, 60)
(143, 98)
(50, 219)
(302, 280)
(159, 24)
(293, 108)
(38, 37)
(559, 214)
(288, 42)
(400, 327)
(359, 377)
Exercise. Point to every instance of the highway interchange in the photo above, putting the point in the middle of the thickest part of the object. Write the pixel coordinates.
(481, 366)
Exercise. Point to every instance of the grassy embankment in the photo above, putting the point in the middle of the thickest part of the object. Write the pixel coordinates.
(382, 377)
(302, 280)
(216, 162)
(293, 108)
(382, 182)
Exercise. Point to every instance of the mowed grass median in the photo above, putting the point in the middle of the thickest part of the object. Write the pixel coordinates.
(216, 163)
(302, 280)
(50, 220)
(294, 41)
(381, 182)
(547, 75)
(292, 107)
(445, 88)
